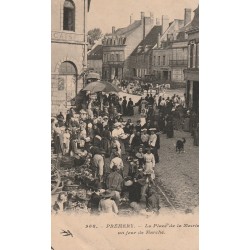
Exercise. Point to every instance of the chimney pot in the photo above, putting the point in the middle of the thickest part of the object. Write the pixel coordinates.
(131, 18)
(113, 29)
(152, 18)
(142, 15)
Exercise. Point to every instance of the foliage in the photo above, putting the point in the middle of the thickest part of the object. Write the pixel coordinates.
(94, 34)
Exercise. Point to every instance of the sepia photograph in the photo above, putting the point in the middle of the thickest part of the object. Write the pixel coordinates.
(141, 156)
(124, 116)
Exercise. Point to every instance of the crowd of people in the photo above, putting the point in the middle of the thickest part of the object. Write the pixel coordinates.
(101, 141)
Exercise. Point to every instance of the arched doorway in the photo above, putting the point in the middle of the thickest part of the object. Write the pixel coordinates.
(67, 81)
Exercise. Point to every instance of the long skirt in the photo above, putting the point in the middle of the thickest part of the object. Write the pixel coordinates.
(106, 146)
(170, 131)
(122, 147)
(58, 144)
(196, 138)
(156, 155)
(186, 124)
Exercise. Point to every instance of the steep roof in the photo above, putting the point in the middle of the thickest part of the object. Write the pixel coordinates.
(127, 30)
(182, 31)
(96, 53)
(150, 40)
(195, 22)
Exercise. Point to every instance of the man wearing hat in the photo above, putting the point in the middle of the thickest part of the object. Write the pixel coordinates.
(93, 203)
(133, 166)
(136, 141)
(144, 137)
(106, 205)
(115, 147)
(114, 183)
(130, 109)
(118, 162)
(68, 117)
(118, 130)
(105, 111)
(105, 121)
(124, 106)
(83, 114)
(140, 155)
(138, 126)
(98, 160)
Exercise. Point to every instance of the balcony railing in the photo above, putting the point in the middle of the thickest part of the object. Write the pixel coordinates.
(178, 62)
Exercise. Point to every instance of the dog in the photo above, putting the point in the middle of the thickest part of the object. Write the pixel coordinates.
(180, 145)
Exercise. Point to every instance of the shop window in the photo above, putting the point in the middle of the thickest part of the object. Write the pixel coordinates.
(69, 15)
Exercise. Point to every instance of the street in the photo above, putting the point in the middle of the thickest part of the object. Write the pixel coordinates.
(177, 175)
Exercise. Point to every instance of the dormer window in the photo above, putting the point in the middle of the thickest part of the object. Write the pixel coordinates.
(69, 15)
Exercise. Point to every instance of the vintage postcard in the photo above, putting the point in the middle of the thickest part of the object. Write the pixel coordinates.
(124, 125)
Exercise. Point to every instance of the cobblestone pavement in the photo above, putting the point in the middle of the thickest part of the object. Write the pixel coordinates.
(178, 174)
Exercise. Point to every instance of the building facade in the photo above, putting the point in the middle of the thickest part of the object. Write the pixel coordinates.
(68, 50)
(118, 47)
(170, 54)
(140, 61)
(192, 72)
(95, 56)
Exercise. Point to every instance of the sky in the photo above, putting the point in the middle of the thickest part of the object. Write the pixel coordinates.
(107, 13)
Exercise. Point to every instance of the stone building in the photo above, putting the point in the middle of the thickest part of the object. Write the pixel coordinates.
(192, 72)
(140, 61)
(118, 46)
(95, 56)
(171, 52)
(68, 50)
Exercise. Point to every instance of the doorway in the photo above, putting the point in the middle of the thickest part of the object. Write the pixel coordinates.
(67, 82)
(196, 96)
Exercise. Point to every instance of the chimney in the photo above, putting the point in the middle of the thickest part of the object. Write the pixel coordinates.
(159, 40)
(131, 18)
(164, 23)
(187, 16)
(152, 18)
(113, 30)
(157, 21)
(143, 24)
(142, 15)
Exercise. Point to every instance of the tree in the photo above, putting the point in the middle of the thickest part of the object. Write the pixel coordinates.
(94, 35)
(108, 34)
